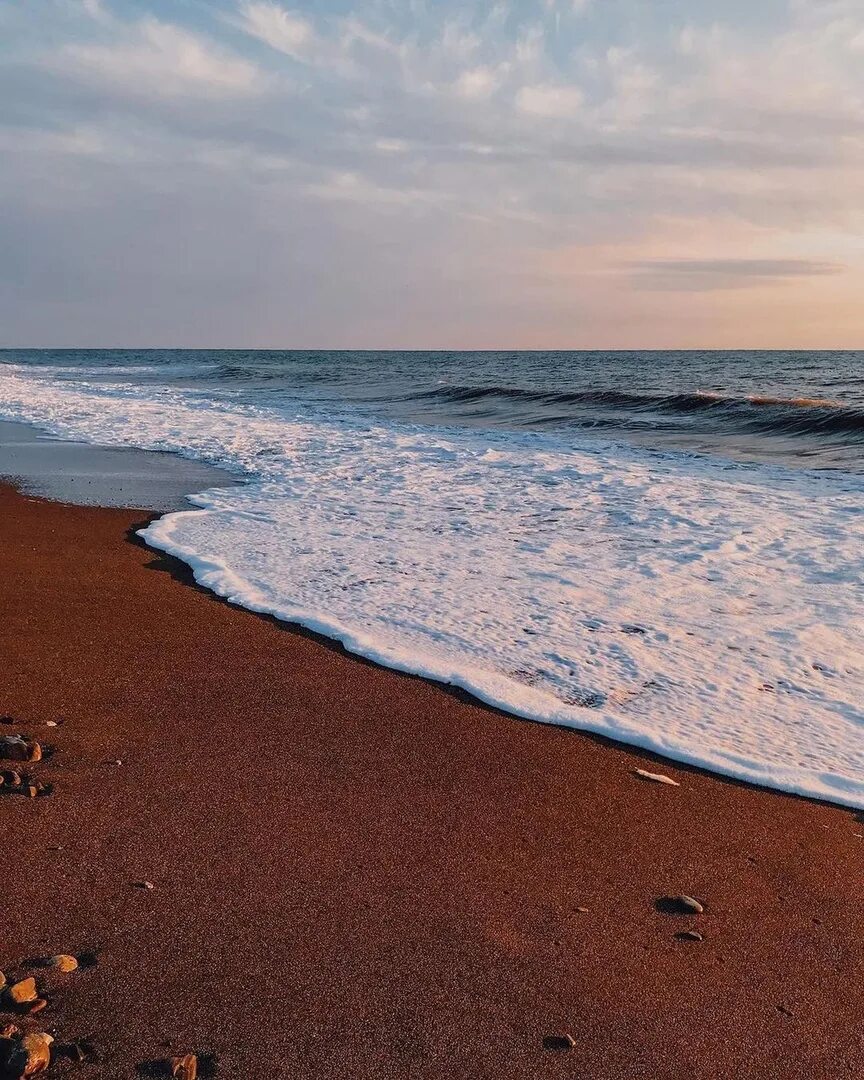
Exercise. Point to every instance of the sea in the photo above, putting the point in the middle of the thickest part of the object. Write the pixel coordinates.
(665, 548)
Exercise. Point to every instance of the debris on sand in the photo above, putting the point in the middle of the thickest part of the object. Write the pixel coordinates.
(657, 778)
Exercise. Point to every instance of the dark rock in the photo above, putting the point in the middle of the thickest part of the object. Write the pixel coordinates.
(689, 935)
(17, 748)
(559, 1042)
(679, 905)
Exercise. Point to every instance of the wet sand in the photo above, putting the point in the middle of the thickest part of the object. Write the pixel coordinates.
(90, 475)
(359, 874)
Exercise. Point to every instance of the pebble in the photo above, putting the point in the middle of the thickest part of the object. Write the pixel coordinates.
(37, 1047)
(680, 905)
(63, 962)
(23, 991)
(144, 885)
(50, 723)
(582, 910)
(689, 935)
(185, 1067)
(559, 1042)
(657, 778)
(17, 748)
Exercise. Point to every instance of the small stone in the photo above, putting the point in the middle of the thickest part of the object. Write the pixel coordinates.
(185, 1067)
(63, 962)
(144, 885)
(37, 1006)
(23, 991)
(559, 1042)
(12, 778)
(37, 1047)
(689, 935)
(50, 723)
(14, 748)
(582, 910)
(17, 748)
(657, 778)
(679, 905)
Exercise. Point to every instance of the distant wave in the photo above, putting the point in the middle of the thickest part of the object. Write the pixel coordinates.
(787, 416)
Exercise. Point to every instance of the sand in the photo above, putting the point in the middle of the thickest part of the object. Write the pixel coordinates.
(359, 874)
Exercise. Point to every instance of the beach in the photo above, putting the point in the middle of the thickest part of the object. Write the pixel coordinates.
(360, 873)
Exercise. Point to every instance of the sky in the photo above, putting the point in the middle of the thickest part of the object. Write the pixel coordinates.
(419, 174)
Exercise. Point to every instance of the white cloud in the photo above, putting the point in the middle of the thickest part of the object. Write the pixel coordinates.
(555, 101)
(285, 31)
(477, 83)
(157, 59)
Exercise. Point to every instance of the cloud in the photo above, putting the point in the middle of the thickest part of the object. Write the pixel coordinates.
(700, 275)
(158, 59)
(550, 101)
(287, 32)
(477, 83)
(536, 172)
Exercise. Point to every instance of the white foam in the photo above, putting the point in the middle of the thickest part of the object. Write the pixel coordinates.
(707, 611)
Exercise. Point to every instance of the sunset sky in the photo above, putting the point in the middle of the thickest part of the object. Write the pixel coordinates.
(532, 173)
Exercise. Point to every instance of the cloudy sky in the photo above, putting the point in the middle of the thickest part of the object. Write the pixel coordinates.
(432, 173)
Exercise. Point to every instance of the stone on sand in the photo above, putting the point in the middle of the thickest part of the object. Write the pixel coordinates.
(63, 962)
(17, 748)
(24, 1055)
(23, 991)
(680, 905)
(559, 1042)
(185, 1067)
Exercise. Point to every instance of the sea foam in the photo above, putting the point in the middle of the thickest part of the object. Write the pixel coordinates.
(709, 611)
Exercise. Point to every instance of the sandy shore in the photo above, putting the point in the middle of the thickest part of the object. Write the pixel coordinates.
(356, 874)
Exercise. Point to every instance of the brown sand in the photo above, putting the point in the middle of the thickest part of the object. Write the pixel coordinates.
(359, 875)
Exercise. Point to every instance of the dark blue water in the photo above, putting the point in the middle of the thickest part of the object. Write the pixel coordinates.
(803, 408)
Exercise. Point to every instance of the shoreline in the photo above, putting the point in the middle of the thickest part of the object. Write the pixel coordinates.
(361, 873)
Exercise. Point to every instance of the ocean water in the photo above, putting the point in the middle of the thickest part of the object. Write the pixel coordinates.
(665, 548)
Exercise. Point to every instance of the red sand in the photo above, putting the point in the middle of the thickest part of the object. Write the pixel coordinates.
(359, 875)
